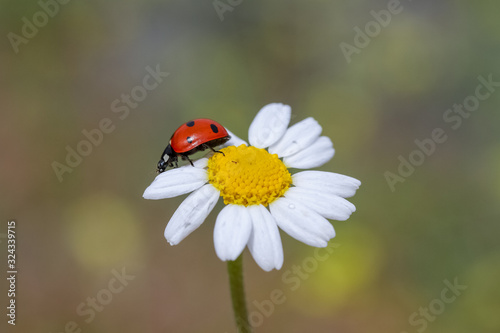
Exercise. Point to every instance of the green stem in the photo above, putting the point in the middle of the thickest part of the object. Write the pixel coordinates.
(235, 271)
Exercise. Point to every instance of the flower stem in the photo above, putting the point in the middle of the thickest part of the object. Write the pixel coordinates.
(235, 271)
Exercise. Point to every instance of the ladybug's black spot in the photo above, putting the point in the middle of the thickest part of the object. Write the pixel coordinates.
(214, 128)
(190, 123)
(189, 139)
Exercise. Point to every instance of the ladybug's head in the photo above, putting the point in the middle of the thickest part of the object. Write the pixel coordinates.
(172, 157)
(162, 165)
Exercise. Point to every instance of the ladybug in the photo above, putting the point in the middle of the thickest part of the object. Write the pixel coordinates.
(191, 137)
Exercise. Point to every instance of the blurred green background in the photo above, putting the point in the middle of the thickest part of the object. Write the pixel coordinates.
(392, 255)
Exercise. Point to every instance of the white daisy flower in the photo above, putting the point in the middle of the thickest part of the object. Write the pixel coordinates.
(259, 192)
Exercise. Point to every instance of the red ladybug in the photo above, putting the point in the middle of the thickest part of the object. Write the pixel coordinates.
(191, 137)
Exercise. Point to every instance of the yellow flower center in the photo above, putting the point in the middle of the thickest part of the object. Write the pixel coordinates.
(248, 175)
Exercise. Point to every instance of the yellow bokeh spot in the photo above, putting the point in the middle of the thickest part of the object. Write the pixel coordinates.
(352, 266)
(248, 175)
(102, 231)
(479, 302)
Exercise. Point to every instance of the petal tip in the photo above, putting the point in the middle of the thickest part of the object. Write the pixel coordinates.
(147, 194)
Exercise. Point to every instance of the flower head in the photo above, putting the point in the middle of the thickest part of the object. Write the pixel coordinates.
(258, 190)
(246, 176)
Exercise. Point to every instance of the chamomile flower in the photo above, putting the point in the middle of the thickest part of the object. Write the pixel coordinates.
(260, 194)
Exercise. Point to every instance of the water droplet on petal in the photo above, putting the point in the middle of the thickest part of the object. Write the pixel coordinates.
(291, 206)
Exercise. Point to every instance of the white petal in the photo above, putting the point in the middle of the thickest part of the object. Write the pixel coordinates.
(234, 141)
(317, 154)
(327, 182)
(232, 231)
(297, 138)
(269, 125)
(200, 163)
(328, 205)
(265, 242)
(178, 181)
(302, 223)
(191, 213)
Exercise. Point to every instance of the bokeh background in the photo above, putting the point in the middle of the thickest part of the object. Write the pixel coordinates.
(393, 254)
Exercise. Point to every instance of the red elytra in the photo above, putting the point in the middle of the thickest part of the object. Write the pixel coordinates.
(196, 132)
(191, 137)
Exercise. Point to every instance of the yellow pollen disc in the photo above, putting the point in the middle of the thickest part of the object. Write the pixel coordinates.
(248, 175)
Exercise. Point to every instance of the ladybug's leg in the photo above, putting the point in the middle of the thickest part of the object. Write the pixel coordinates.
(185, 157)
(215, 151)
(172, 160)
